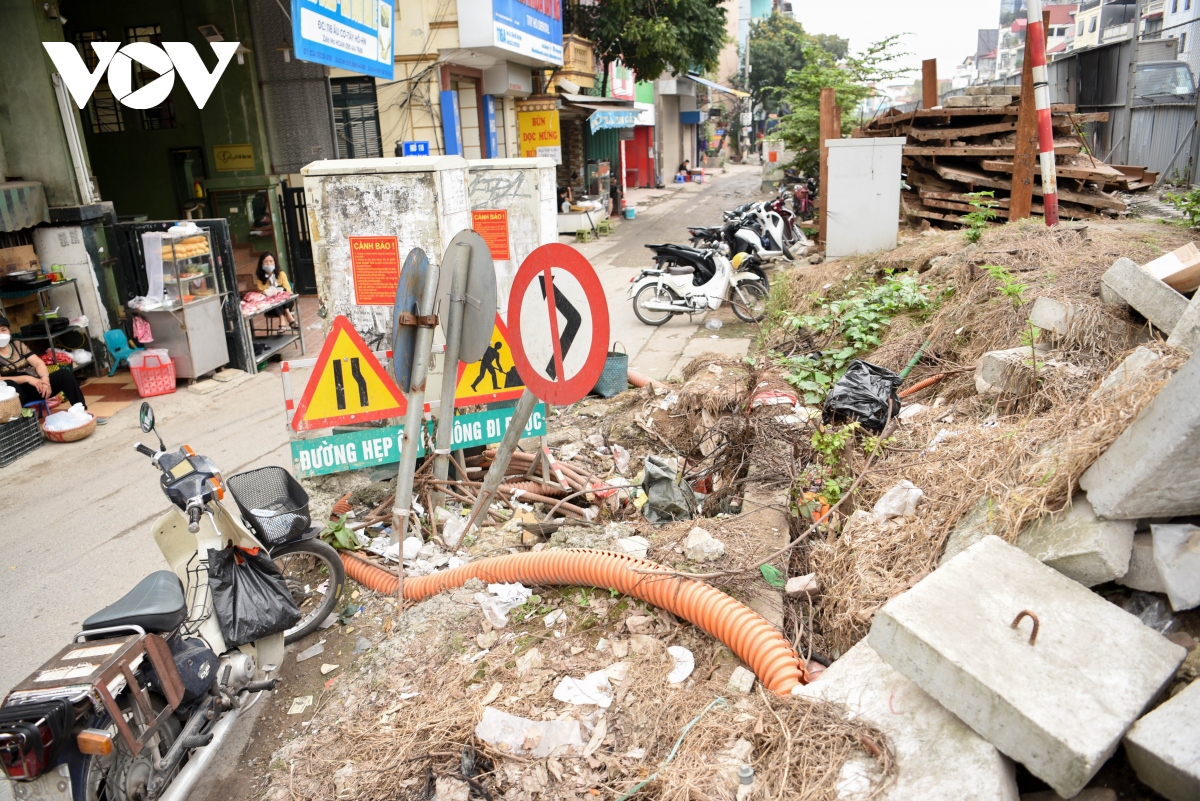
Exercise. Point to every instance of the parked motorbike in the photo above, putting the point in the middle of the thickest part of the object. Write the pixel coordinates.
(702, 259)
(660, 294)
(137, 705)
(792, 234)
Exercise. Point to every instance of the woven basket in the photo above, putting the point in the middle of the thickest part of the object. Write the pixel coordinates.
(10, 408)
(615, 378)
(72, 434)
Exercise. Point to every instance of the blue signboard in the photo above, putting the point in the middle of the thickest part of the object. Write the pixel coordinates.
(490, 142)
(354, 35)
(530, 27)
(450, 129)
(416, 148)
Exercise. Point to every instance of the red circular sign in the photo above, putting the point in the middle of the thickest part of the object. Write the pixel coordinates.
(574, 347)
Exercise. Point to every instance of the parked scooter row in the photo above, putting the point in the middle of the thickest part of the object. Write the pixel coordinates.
(136, 707)
(768, 230)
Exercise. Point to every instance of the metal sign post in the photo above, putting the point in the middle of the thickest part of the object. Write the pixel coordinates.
(559, 365)
(467, 300)
(414, 322)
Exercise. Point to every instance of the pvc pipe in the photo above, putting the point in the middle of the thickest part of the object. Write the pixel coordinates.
(745, 631)
(640, 380)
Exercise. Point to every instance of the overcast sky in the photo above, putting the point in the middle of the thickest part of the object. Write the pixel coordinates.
(941, 29)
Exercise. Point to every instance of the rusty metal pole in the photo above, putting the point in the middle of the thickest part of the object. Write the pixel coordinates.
(459, 263)
(929, 83)
(825, 127)
(504, 451)
(411, 441)
(1026, 151)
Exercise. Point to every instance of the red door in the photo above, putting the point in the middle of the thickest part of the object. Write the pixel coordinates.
(639, 155)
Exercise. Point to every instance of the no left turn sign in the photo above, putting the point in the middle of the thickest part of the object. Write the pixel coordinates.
(558, 324)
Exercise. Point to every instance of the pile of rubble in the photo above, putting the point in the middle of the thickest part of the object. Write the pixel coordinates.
(1004, 573)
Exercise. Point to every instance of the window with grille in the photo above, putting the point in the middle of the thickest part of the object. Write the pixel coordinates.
(104, 112)
(356, 117)
(162, 115)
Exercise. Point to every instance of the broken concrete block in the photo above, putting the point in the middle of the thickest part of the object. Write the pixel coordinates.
(1138, 364)
(700, 546)
(1052, 315)
(741, 680)
(1080, 545)
(1143, 573)
(1164, 747)
(1013, 89)
(803, 585)
(977, 101)
(1177, 557)
(1187, 331)
(1153, 468)
(973, 526)
(1006, 371)
(1126, 281)
(937, 755)
(1059, 704)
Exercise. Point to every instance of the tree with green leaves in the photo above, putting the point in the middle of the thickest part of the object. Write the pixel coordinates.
(654, 36)
(851, 78)
(777, 45)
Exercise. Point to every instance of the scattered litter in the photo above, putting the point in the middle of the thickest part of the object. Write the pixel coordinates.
(620, 459)
(713, 324)
(476, 657)
(900, 501)
(300, 704)
(328, 621)
(503, 599)
(453, 530)
(773, 576)
(492, 694)
(412, 547)
(866, 393)
(634, 546)
(598, 733)
(669, 498)
(602, 645)
(685, 663)
(909, 412)
(591, 689)
(310, 652)
(528, 662)
(362, 644)
(554, 617)
(522, 736)
(1152, 611)
(741, 681)
(327, 668)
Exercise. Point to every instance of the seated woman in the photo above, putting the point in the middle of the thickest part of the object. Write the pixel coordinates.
(28, 373)
(685, 170)
(270, 280)
(564, 199)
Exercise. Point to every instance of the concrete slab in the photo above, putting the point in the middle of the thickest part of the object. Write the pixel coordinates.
(1080, 545)
(1164, 747)
(973, 526)
(1052, 315)
(701, 343)
(1153, 468)
(1177, 557)
(1136, 365)
(1187, 331)
(1126, 281)
(1012, 89)
(1058, 705)
(1143, 573)
(937, 755)
(1008, 371)
(767, 528)
(977, 101)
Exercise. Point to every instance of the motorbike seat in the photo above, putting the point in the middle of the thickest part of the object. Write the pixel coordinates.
(680, 269)
(157, 604)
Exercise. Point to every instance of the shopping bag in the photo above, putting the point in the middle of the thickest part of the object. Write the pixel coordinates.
(249, 595)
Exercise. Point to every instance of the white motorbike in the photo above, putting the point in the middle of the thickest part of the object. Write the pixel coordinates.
(660, 294)
(136, 707)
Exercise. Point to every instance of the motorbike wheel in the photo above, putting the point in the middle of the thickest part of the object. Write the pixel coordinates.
(787, 254)
(305, 566)
(120, 776)
(649, 293)
(749, 301)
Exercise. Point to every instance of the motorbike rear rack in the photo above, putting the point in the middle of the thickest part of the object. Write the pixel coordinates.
(103, 668)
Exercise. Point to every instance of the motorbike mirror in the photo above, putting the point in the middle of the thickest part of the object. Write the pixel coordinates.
(146, 418)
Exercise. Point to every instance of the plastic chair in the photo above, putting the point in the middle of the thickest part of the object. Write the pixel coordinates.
(118, 345)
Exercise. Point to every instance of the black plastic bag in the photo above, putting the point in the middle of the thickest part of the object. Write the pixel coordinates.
(249, 595)
(867, 394)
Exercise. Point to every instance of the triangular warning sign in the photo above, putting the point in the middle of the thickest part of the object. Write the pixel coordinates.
(347, 385)
(493, 378)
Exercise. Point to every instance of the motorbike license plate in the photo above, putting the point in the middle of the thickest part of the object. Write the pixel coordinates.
(53, 785)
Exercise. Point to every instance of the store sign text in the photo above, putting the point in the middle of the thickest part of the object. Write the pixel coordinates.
(167, 60)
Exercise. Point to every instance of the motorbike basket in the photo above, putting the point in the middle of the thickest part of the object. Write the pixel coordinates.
(272, 502)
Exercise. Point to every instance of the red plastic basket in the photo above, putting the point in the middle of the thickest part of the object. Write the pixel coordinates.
(151, 381)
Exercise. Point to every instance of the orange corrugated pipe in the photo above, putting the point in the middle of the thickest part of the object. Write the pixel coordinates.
(746, 632)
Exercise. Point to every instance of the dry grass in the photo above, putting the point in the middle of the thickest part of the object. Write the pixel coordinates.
(1025, 454)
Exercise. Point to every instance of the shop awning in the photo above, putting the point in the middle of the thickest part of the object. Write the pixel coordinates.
(22, 205)
(717, 86)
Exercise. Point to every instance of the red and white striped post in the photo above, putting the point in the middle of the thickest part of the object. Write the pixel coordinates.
(1035, 40)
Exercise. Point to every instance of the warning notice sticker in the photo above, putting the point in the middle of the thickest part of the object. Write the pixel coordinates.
(375, 263)
(492, 225)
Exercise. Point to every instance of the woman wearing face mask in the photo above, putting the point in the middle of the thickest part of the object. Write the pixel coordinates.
(271, 280)
(28, 373)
